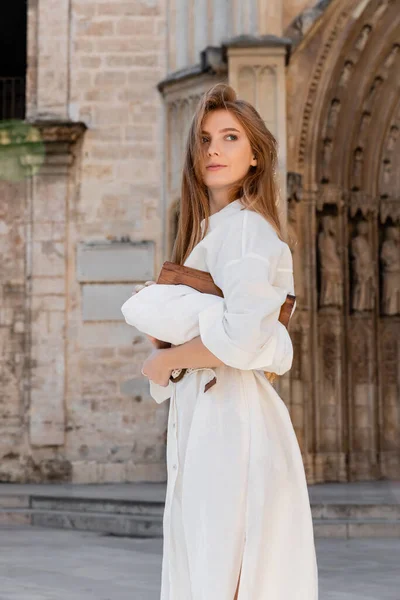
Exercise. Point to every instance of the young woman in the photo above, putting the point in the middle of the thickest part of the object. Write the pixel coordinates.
(237, 520)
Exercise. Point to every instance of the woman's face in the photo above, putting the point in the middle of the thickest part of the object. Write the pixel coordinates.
(227, 154)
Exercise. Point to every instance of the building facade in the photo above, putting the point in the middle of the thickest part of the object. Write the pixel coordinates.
(90, 168)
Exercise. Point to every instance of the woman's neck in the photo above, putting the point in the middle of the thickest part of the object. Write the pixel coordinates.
(218, 199)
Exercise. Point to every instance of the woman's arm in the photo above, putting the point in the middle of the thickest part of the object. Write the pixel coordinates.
(193, 354)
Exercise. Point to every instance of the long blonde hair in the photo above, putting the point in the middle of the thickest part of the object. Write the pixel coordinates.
(258, 189)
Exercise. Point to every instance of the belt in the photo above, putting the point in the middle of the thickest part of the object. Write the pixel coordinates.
(178, 374)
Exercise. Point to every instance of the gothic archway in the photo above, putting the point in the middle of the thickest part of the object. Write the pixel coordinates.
(343, 141)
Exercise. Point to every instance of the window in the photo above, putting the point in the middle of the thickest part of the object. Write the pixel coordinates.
(13, 33)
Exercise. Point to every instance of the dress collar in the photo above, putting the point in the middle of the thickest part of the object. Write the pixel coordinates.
(223, 213)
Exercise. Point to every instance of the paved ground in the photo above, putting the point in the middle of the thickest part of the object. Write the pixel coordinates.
(45, 564)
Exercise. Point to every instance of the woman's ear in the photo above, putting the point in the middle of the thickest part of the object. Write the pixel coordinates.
(254, 161)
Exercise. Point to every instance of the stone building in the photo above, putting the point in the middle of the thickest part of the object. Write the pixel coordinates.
(94, 110)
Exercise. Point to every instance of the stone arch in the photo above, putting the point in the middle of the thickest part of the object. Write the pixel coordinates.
(341, 37)
(343, 143)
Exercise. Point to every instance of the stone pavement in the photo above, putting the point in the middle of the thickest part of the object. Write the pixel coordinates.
(45, 564)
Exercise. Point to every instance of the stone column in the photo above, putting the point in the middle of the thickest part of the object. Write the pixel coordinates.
(329, 371)
(362, 338)
(256, 68)
(36, 182)
(47, 266)
(13, 330)
(49, 51)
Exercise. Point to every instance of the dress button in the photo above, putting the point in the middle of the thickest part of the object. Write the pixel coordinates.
(175, 467)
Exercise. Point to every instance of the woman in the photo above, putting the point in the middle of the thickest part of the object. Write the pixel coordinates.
(237, 520)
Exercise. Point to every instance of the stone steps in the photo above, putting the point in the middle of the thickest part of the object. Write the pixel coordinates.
(140, 518)
(356, 528)
(138, 526)
(355, 511)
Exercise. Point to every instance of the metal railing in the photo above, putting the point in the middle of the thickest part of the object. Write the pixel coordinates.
(12, 98)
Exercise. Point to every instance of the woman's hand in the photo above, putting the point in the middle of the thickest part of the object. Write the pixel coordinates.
(141, 286)
(137, 289)
(157, 368)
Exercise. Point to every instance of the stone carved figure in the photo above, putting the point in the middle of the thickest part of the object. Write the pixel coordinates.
(331, 270)
(390, 260)
(364, 287)
(387, 172)
(358, 165)
(391, 57)
(346, 73)
(333, 115)
(326, 158)
(393, 136)
(365, 121)
(363, 37)
(375, 87)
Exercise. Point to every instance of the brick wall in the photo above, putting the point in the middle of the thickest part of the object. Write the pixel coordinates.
(115, 431)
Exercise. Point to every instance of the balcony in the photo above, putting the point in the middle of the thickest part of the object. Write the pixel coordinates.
(12, 98)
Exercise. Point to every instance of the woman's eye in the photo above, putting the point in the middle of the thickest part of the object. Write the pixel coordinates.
(232, 135)
(204, 140)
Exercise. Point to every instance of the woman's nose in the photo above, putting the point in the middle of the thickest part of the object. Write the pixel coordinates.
(212, 149)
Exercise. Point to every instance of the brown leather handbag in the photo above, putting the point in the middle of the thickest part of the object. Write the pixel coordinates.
(202, 281)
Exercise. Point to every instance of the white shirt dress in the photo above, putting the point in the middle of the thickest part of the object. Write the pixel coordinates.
(237, 498)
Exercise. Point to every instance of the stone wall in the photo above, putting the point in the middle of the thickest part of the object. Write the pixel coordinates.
(99, 215)
(115, 431)
(13, 330)
(90, 225)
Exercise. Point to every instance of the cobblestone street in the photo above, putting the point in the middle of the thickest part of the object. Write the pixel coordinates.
(40, 564)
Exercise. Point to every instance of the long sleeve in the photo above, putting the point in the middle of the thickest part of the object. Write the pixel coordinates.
(167, 312)
(244, 331)
(159, 393)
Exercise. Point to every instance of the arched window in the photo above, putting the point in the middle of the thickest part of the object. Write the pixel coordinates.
(13, 49)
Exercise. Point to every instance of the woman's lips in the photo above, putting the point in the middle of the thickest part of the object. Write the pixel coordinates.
(215, 167)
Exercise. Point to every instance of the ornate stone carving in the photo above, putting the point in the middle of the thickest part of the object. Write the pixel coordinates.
(330, 265)
(365, 203)
(363, 38)
(363, 278)
(390, 359)
(388, 176)
(387, 172)
(371, 97)
(391, 57)
(390, 260)
(346, 73)
(333, 115)
(361, 348)
(294, 187)
(326, 159)
(313, 87)
(330, 194)
(331, 355)
(358, 165)
(364, 125)
(349, 129)
(390, 208)
(393, 137)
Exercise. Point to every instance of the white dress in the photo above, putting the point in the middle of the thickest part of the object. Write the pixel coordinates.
(237, 497)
